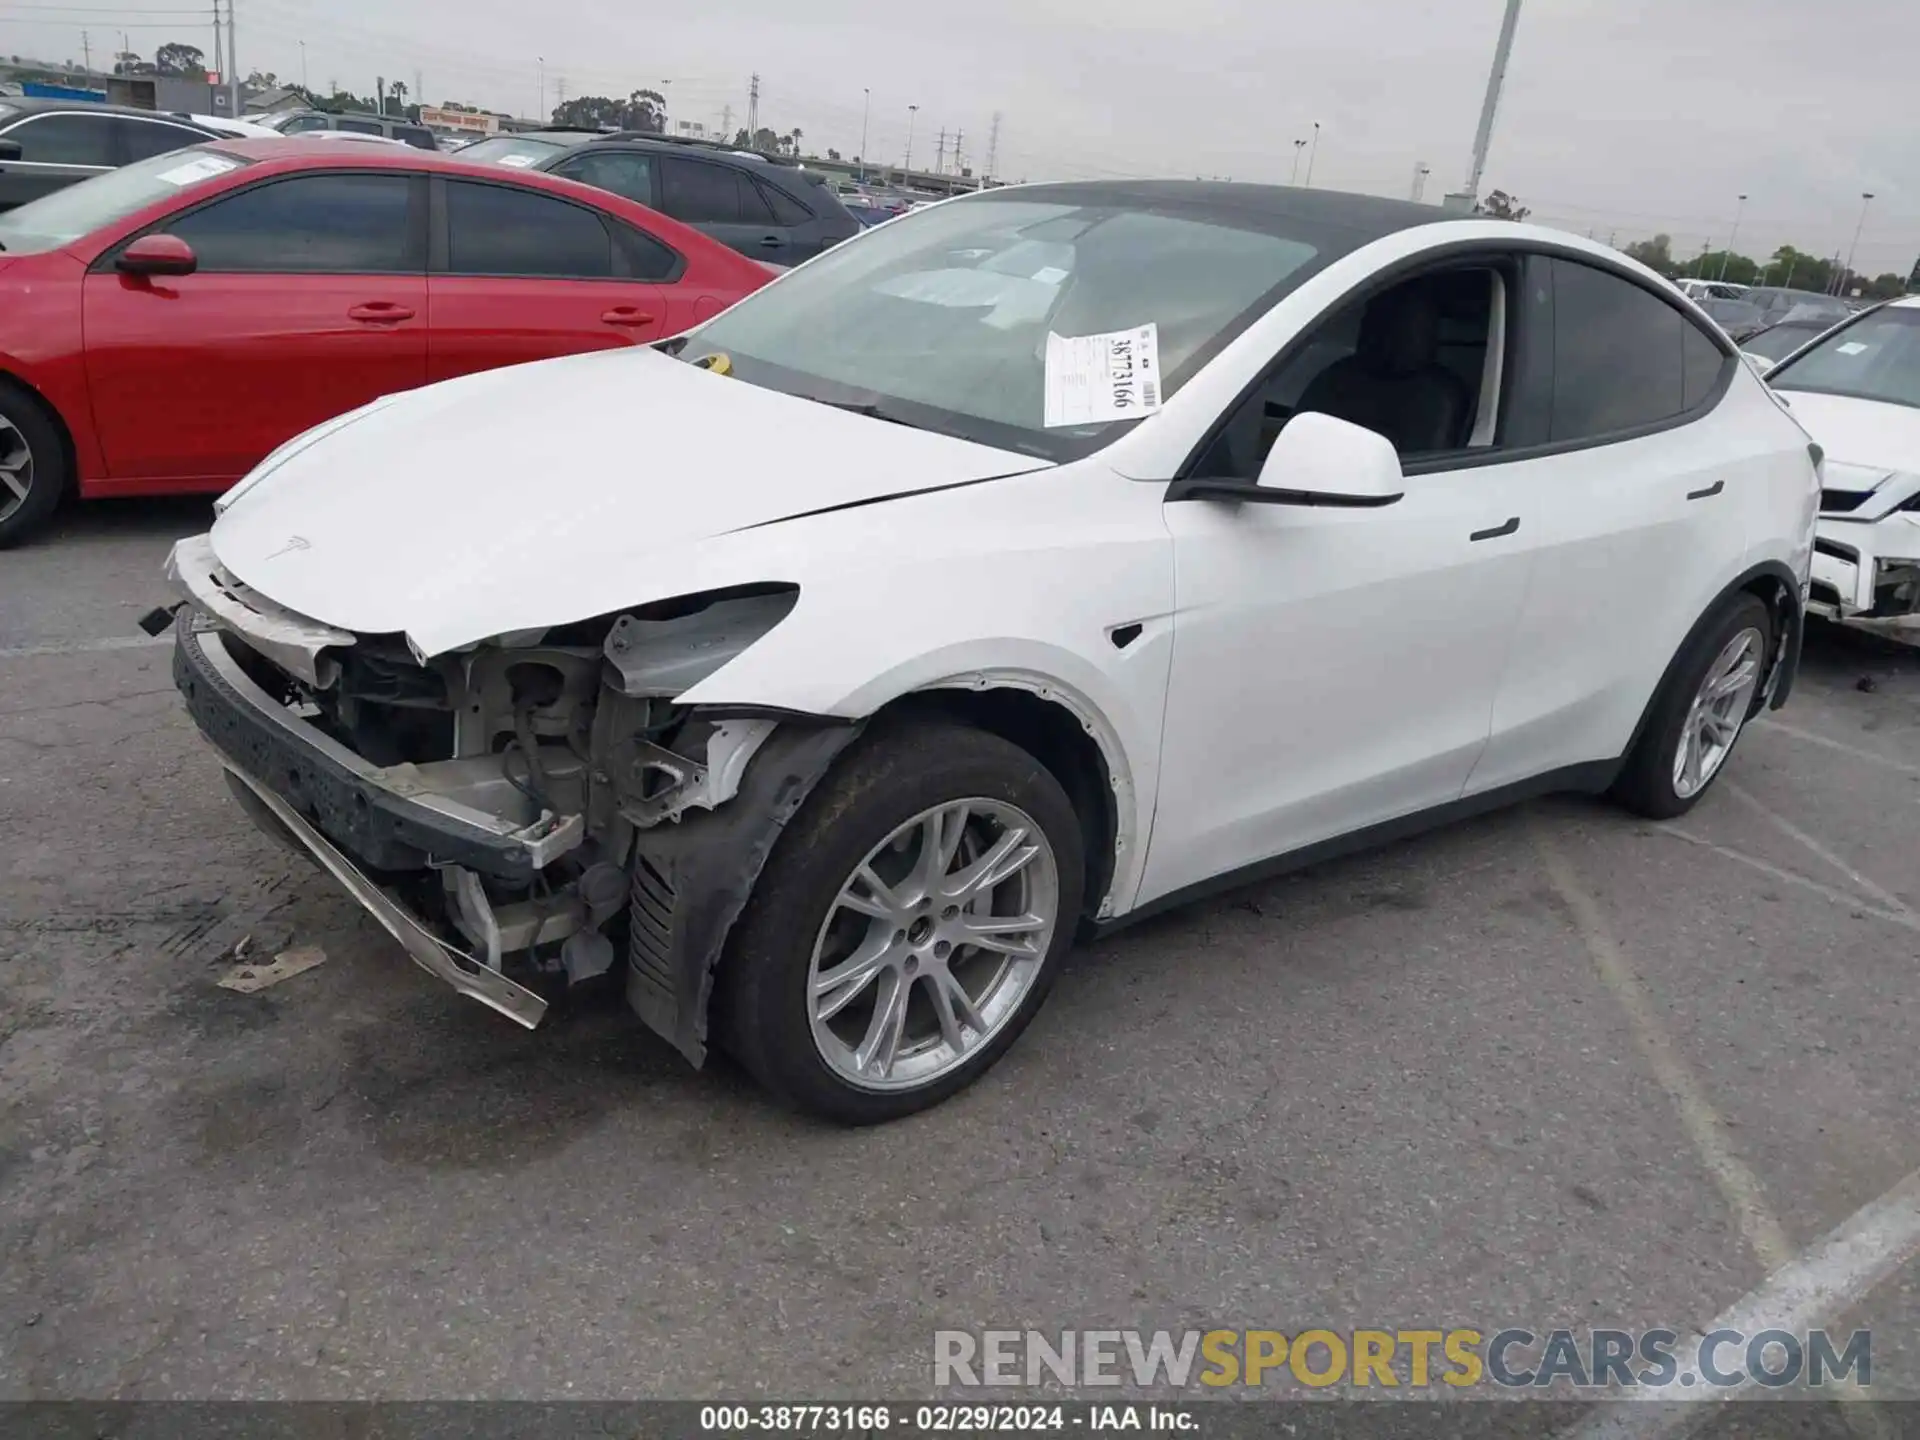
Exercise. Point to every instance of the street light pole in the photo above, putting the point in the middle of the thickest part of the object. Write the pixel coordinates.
(1298, 146)
(1312, 152)
(303, 66)
(1738, 210)
(907, 166)
(1840, 283)
(540, 87)
(866, 109)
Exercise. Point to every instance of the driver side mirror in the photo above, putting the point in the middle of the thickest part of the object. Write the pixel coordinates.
(1315, 460)
(9, 149)
(157, 255)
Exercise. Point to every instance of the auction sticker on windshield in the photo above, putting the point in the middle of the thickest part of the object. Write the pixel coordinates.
(1095, 378)
(203, 167)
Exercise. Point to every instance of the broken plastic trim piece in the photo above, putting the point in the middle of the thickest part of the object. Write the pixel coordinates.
(428, 951)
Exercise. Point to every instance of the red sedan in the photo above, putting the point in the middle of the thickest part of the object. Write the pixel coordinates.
(164, 326)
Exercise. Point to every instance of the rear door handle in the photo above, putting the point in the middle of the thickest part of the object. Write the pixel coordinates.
(379, 312)
(1714, 489)
(773, 242)
(1497, 531)
(626, 315)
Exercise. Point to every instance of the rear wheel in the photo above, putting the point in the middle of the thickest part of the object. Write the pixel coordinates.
(33, 464)
(1700, 712)
(907, 927)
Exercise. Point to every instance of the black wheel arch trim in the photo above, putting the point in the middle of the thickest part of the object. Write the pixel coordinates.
(702, 872)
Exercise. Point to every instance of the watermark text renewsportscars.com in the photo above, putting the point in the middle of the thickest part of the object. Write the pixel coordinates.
(1459, 1357)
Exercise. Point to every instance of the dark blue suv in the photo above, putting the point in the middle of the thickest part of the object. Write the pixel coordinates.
(766, 207)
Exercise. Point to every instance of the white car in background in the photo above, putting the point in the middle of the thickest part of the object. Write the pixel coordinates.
(1052, 556)
(1857, 391)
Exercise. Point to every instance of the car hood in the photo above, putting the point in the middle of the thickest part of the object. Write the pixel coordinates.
(1869, 434)
(511, 499)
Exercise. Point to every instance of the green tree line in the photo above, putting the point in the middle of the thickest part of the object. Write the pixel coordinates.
(1793, 268)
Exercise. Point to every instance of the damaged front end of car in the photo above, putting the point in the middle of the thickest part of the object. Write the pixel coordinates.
(1866, 561)
(523, 814)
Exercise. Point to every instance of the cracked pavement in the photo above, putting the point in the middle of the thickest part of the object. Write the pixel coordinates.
(1393, 1091)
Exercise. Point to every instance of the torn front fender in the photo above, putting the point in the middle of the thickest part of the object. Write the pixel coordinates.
(692, 878)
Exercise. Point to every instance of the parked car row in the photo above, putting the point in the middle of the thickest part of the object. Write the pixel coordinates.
(1045, 559)
(171, 322)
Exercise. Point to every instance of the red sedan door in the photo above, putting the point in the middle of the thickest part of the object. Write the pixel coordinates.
(528, 274)
(310, 298)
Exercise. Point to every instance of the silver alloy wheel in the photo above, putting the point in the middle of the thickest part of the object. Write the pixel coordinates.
(1719, 710)
(16, 468)
(932, 943)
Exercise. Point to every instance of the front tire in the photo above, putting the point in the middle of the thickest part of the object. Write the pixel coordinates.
(34, 471)
(907, 926)
(1700, 711)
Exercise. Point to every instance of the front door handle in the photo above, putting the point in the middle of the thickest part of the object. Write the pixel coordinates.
(773, 242)
(1513, 524)
(379, 312)
(626, 315)
(1714, 489)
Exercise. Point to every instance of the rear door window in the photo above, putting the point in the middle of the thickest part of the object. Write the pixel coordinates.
(505, 230)
(360, 127)
(1617, 355)
(698, 193)
(786, 210)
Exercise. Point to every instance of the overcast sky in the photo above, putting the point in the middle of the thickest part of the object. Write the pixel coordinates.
(1619, 116)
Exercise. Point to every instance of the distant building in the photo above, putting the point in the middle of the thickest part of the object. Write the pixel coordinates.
(468, 123)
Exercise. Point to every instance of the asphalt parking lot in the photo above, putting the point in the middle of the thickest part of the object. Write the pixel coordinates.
(1553, 1067)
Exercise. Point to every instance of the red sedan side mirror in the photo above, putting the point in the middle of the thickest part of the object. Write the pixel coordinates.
(157, 255)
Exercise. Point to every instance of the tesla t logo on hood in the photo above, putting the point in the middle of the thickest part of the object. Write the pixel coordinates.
(294, 542)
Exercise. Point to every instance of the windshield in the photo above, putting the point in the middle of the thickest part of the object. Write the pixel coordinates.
(941, 319)
(66, 215)
(518, 151)
(1875, 358)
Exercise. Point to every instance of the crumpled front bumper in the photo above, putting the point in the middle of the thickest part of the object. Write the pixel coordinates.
(1868, 570)
(301, 786)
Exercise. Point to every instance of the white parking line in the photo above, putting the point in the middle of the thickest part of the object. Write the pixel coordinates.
(84, 647)
(1815, 847)
(1811, 738)
(1865, 1249)
(1789, 877)
(1738, 1185)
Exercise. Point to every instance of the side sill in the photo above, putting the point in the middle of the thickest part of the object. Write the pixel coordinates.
(1591, 778)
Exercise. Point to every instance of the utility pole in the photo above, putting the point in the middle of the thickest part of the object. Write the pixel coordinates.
(219, 44)
(419, 87)
(957, 136)
(940, 152)
(1866, 199)
(753, 109)
(379, 94)
(726, 124)
(1726, 254)
(539, 87)
(303, 67)
(86, 48)
(233, 63)
(1483, 136)
(993, 149)
(866, 111)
